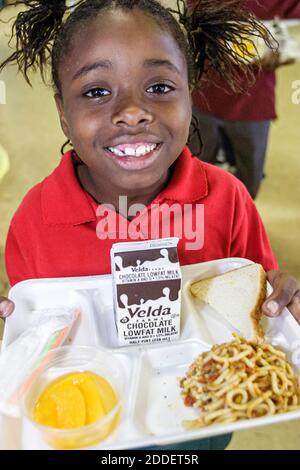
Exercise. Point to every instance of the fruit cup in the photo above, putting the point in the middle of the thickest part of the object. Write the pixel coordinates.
(75, 396)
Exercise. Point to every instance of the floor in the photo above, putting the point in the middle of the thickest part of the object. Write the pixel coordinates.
(29, 130)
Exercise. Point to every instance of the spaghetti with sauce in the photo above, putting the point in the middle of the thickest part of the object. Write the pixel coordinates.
(239, 380)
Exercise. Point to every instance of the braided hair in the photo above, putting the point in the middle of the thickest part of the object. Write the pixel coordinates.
(206, 32)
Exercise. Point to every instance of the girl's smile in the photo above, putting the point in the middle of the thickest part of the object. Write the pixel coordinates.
(135, 156)
(125, 104)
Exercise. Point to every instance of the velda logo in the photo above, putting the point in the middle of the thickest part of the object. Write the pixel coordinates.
(144, 313)
(2, 92)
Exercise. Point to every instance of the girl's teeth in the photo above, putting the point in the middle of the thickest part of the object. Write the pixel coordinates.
(117, 152)
(141, 150)
(133, 152)
(130, 151)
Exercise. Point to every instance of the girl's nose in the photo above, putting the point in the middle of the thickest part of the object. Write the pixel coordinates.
(132, 115)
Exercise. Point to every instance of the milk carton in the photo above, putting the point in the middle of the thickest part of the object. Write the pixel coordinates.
(147, 291)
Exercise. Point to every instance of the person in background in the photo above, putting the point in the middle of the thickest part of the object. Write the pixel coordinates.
(239, 123)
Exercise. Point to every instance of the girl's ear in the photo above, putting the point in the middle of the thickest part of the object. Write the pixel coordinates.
(60, 109)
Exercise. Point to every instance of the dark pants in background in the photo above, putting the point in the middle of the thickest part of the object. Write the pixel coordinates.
(246, 140)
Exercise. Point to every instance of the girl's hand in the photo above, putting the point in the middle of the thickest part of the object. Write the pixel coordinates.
(286, 293)
(6, 307)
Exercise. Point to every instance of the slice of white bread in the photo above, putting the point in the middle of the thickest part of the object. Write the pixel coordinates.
(238, 296)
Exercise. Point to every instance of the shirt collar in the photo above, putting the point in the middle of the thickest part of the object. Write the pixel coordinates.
(188, 182)
(64, 201)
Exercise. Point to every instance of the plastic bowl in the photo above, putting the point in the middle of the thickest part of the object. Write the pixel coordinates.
(65, 360)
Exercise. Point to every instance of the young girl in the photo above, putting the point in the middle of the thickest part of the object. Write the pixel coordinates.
(123, 73)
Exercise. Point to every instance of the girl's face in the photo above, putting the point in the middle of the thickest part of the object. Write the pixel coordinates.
(125, 102)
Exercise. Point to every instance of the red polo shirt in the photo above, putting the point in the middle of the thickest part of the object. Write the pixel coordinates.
(258, 104)
(56, 231)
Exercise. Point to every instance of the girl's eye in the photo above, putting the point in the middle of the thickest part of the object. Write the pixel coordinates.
(97, 93)
(160, 88)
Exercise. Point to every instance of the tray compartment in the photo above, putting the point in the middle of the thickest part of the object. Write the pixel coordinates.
(159, 408)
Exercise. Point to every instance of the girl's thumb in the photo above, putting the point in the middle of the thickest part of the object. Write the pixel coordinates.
(271, 308)
(6, 308)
